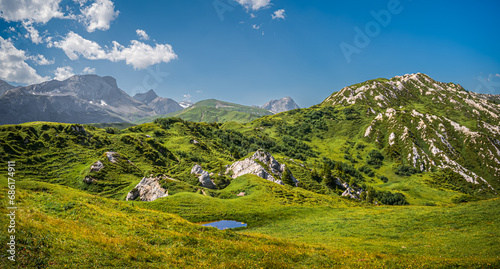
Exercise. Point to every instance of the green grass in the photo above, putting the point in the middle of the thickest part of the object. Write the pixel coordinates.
(286, 231)
(307, 227)
(214, 111)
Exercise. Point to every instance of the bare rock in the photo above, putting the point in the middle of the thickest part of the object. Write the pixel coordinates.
(272, 169)
(203, 177)
(147, 190)
(112, 156)
(88, 180)
(351, 192)
(96, 167)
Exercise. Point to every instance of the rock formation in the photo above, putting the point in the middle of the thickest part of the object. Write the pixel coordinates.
(203, 177)
(261, 164)
(147, 190)
(281, 105)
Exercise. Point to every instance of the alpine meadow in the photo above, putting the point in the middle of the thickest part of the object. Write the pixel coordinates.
(390, 159)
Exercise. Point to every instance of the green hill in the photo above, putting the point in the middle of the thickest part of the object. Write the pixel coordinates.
(214, 111)
(427, 181)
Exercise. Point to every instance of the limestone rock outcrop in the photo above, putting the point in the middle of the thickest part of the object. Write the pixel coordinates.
(350, 192)
(203, 177)
(96, 167)
(261, 164)
(147, 190)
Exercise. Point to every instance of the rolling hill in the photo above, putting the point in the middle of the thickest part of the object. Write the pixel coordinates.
(213, 110)
(390, 172)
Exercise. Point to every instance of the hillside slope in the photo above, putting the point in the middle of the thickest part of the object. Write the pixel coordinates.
(213, 110)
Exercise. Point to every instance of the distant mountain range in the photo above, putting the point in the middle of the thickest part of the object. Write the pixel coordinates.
(94, 99)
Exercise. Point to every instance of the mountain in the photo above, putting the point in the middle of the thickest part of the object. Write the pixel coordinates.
(160, 105)
(384, 143)
(213, 110)
(428, 125)
(281, 105)
(185, 104)
(79, 99)
(4, 87)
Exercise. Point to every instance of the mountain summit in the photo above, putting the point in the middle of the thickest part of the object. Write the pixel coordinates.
(281, 105)
(160, 105)
(4, 87)
(79, 99)
(428, 125)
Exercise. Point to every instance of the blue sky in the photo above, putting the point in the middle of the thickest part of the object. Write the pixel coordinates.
(250, 51)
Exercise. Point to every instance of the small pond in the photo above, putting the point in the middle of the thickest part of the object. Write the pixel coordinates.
(224, 224)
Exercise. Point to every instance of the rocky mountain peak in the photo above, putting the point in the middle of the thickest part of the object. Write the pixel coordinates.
(146, 97)
(281, 105)
(4, 87)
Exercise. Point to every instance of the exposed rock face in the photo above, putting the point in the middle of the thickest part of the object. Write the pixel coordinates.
(147, 190)
(352, 193)
(272, 169)
(159, 104)
(203, 177)
(281, 105)
(112, 156)
(4, 87)
(96, 167)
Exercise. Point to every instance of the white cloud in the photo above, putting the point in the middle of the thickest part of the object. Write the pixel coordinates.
(256, 27)
(40, 11)
(32, 32)
(252, 16)
(11, 29)
(138, 54)
(254, 4)
(497, 75)
(74, 45)
(13, 66)
(187, 97)
(278, 14)
(142, 34)
(99, 15)
(63, 73)
(41, 60)
(88, 70)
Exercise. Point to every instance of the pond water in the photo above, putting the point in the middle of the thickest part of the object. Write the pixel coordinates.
(224, 224)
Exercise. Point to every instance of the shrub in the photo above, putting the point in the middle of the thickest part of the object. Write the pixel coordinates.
(375, 158)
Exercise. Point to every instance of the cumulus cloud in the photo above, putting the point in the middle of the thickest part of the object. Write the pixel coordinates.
(63, 73)
(32, 32)
(497, 75)
(88, 70)
(74, 45)
(137, 54)
(254, 4)
(40, 11)
(256, 27)
(278, 14)
(142, 34)
(187, 97)
(13, 66)
(99, 15)
(41, 60)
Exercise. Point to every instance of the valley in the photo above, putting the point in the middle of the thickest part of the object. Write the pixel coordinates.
(382, 173)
